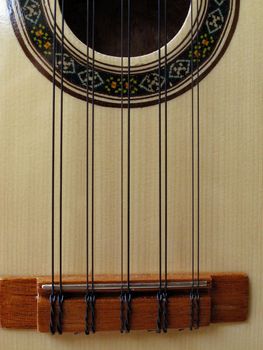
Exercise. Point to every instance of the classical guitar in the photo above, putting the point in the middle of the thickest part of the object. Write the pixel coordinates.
(131, 174)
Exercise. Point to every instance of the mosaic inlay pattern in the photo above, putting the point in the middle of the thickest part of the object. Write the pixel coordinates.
(143, 84)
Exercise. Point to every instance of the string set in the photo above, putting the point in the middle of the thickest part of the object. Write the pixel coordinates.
(53, 326)
(56, 321)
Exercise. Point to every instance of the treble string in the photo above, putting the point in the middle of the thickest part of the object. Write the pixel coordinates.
(193, 173)
(129, 142)
(92, 298)
(87, 177)
(165, 296)
(90, 294)
(198, 175)
(160, 145)
(128, 293)
(161, 295)
(166, 140)
(194, 294)
(52, 296)
(61, 297)
(122, 161)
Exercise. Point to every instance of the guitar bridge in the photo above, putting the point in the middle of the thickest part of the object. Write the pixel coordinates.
(25, 302)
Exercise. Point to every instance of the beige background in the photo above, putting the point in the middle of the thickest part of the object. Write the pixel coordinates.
(231, 175)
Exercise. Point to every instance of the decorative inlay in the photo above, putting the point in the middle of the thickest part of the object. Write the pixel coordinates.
(68, 63)
(150, 82)
(215, 21)
(32, 11)
(218, 23)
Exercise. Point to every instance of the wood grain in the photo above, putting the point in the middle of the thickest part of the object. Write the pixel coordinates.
(231, 182)
(18, 303)
(230, 295)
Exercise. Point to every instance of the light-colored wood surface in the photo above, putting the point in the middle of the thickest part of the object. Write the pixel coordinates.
(231, 182)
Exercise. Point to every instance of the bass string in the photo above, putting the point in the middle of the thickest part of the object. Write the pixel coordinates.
(129, 144)
(197, 296)
(195, 154)
(90, 66)
(160, 142)
(87, 173)
(61, 297)
(53, 149)
(198, 160)
(165, 294)
(61, 151)
(122, 298)
(193, 146)
(159, 294)
(93, 146)
(162, 320)
(166, 145)
(122, 143)
(93, 150)
(128, 295)
(91, 299)
(52, 295)
(195, 170)
(87, 152)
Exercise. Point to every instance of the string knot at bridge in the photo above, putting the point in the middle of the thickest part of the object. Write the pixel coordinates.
(125, 309)
(90, 300)
(60, 313)
(162, 319)
(52, 325)
(194, 309)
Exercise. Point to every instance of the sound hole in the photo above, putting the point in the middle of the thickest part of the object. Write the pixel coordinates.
(108, 22)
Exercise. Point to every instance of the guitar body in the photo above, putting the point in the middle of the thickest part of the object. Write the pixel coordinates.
(231, 240)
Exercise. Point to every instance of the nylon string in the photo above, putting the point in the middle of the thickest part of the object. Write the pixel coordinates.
(162, 296)
(195, 120)
(87, 175)
(90, 297)
(52, 296)
(122, 144)
(61, 297)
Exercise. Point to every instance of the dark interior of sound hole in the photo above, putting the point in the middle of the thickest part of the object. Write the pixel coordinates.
(144, 16)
